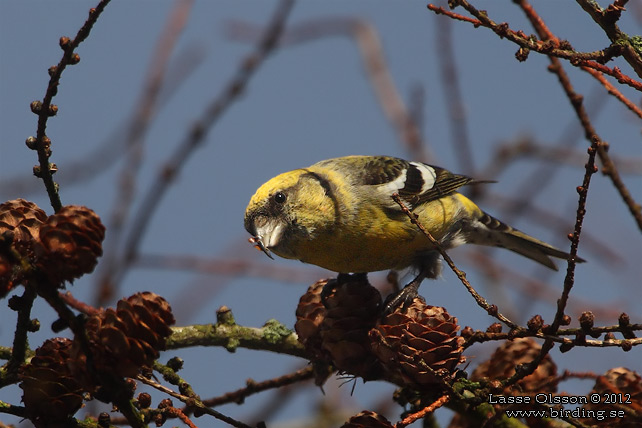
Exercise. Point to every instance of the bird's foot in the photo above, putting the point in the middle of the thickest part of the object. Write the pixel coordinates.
(402, 298)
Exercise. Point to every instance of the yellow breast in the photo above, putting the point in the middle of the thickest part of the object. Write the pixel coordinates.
(371, 240)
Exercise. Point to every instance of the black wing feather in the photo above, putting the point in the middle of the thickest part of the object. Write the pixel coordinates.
(445, 183)
(381, 170)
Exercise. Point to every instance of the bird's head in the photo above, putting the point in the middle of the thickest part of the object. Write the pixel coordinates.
(286, 211)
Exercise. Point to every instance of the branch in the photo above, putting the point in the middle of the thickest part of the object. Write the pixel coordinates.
(78, 305)
(23, 306)
(607, 19)
(192, 402)
(567, 343)
(44, 109)
(253, 387)
(169, 373)
(615, 72)
(550, 46)
(423, 412)
(569, 280)
(614, 91)
(12, 409)
(559, 49)
(273, 336)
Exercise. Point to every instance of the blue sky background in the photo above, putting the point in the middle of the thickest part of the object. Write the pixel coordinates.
(313, 101)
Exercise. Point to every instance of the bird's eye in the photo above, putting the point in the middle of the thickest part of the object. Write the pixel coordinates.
(279, 197)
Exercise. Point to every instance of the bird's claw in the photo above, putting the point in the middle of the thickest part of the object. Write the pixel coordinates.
(401, 299)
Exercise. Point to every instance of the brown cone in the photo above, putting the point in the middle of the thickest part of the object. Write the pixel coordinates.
(367, 419)
(309, 315)
(20, 222)
(622, 388)
(414, 342)
(23, 218)
(51, 394)
(71, 243)
(124, 340)
(352, 309)
(501, 365)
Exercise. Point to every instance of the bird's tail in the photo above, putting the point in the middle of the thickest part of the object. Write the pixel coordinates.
(487, 230)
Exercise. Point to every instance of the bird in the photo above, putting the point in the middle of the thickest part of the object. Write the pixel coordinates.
(340, 214)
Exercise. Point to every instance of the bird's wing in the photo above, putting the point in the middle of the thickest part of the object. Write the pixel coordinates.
(415, 182)
(437, 183)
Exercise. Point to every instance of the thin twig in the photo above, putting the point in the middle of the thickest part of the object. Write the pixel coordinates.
(20, 338)
(615, 72)
(192, 402)
(569, 280)
(593, 331)
(46, 109)
(179, 414)
(171, 376)
(550, 48)
(442, 11)
(607, 19)
(253, 387)
(554, 47)
(614, 91)
(76, 304)
(484, 336)
(423, 412)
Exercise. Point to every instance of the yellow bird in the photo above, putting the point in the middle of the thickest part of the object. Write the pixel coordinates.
(339, 214)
